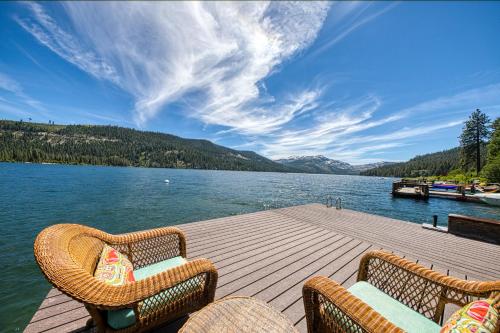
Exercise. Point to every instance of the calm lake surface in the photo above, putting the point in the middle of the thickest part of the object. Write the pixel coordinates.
(33, 196)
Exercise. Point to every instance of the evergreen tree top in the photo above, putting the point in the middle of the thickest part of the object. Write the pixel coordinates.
(475, 128)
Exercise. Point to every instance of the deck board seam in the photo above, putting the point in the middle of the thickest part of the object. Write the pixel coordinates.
(382, 224)
(287, 257)
(282, 267)
(320, 268)
(330, 276)
(341, 237)
(375, 238)
(59, 313)
(241, 218)
(246, 249)
(237, 230)
(234, 242)
(243, 235)
(269, 249)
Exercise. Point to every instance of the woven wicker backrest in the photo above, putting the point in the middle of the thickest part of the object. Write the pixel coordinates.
(419, 294)
(149, 251)
(421, 289)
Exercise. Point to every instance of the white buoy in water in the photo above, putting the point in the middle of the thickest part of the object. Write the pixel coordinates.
(167, 181)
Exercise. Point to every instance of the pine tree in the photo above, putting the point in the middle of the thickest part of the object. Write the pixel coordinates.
(492, 169)
(494, 145)
(474, 134)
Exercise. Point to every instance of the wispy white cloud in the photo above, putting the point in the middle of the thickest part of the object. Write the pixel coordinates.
(403, 133)
(49, 33)
(211, 55)
(331, 125)
(466, 101)
(342, 132)
(367, 153)
(346, 17)
(18, 103)
(7, 107)
(10, 85)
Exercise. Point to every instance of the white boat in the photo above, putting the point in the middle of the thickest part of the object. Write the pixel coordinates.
(489, 198)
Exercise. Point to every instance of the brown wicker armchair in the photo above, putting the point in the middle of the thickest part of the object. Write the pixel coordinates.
(330, 307)
(68, 254)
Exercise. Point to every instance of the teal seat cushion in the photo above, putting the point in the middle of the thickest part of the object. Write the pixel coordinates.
(159, 267)
(396, 312)
(123, 318)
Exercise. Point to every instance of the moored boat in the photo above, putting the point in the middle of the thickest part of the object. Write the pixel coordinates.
(445, 186)
(490, 198)
(494, 188)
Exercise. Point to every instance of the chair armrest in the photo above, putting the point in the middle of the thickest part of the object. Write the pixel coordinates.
(330, 307)
(110, 297)
(147, 247)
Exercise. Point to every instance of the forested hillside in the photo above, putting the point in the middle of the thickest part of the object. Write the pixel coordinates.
(112, 145)
(437, 164)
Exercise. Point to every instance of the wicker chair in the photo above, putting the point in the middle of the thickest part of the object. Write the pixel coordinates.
(330, 307)
(68, 254)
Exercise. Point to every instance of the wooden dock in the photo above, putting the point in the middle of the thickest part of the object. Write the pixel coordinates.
(410, 189)
(420, 190)
(270, 254)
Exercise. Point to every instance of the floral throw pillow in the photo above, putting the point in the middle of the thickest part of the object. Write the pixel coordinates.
(114, 268)
(476, 317)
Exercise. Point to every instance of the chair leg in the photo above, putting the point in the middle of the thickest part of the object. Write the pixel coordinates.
(96, 318)
(89, 323)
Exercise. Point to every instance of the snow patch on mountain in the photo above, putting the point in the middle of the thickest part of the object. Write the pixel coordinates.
(323, 164)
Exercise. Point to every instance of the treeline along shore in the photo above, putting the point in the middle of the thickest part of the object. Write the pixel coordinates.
(440, 163)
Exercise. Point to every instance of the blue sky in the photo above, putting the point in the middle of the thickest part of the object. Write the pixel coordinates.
(355, 81)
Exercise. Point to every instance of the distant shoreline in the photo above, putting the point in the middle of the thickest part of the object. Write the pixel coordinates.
(145, 167)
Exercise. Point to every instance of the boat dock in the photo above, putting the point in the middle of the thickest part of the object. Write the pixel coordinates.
(270, 254)
(418, 190)
(410, 189)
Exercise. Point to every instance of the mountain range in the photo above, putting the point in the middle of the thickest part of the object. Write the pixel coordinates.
(322, 164)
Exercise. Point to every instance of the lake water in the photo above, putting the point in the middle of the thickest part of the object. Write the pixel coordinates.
(33, 196)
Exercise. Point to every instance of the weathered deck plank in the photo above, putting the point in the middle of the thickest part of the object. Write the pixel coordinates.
(270, 254)
(252, 282)
(343, 271)
(279, 244)
(406, 238)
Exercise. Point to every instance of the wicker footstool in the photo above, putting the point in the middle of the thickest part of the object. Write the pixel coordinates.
(238, 314)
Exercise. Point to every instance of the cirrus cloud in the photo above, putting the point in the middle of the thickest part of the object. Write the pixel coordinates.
(212, 56)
